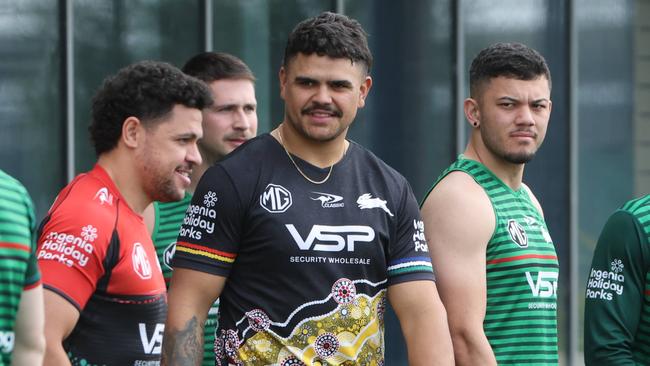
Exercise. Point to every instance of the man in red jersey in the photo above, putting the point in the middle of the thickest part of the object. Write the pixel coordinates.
(105, 299)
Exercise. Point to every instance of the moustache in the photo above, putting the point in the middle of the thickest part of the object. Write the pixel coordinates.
(322, 108)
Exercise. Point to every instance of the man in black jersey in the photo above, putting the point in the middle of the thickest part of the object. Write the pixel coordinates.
(304, 234)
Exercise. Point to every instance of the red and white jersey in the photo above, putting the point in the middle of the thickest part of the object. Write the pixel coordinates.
(96, 252)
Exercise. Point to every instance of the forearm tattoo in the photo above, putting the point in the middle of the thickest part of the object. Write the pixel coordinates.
(183, 347)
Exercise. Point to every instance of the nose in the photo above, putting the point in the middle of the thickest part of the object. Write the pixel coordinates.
(525, 116)
(322, 95)
(193, 155)
(240, 120)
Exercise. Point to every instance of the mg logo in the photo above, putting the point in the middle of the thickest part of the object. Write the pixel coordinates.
(545, 285)
(517, 234)
(275, 198)
(325, 238)
(141, 264)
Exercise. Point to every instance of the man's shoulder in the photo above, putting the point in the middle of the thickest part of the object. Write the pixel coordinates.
(252, 151)
(637, 206)
(85, 201)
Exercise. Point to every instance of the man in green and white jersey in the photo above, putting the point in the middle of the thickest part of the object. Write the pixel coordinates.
(22, 341)
(496, 264)
(617, 305)
(231, 121)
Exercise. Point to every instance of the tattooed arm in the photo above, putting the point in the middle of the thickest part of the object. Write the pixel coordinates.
(190, 295)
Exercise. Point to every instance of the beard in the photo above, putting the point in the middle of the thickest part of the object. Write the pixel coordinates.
(497, 149)
(158, 181)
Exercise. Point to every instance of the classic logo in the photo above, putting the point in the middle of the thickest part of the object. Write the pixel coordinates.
(168, 254)
(517, 234)
(153, 345)
(366, 200)
(141, 264)
(545, 285)
(328, 200)
(104, 196)
(325, 238)
(275, 198)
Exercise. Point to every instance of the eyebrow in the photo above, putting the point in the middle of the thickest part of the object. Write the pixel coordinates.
(515, 100)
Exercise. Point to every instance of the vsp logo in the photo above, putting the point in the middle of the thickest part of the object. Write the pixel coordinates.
(517, 234)
(7, 340)
(545, 285)
(168, 254)
(141, 264)
(326, 238)
(275, 198)
(151, 346)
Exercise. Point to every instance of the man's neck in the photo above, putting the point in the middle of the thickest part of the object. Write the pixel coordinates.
(511, 174)
(125, 177)
(197, 173)
(319, 153)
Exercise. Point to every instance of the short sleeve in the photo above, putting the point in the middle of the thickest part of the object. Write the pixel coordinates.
(209, 237)
(614, 294)
(71, 249)
(408, 251)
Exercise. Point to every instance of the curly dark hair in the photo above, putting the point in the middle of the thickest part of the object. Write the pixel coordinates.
(147, 90)
(513, 60)
(213, 66)
(329, 34)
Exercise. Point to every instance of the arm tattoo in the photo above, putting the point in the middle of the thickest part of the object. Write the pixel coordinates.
(183, 347)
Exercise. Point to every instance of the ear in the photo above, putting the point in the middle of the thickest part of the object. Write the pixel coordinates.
(282, 75)
(472, 112)
(364, 90)
(132, 132)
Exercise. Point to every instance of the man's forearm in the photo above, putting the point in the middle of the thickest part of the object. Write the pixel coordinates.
(183, 347)
(470, 350)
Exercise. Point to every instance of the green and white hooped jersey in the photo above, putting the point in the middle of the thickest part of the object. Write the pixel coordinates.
(521, 272)
(169, 217)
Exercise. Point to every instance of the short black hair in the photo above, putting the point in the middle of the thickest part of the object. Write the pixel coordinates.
(329, 34)
(512, 60)
(212, 66)
(147, 90)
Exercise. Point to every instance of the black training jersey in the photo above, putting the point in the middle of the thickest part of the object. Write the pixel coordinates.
(307, 264)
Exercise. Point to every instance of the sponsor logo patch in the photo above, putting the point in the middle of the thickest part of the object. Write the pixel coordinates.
(419, 241)
(7, 341)
(153, 345)
(67, 248)
(517, 234)
(141, 264)
(326, 238)
(275, 198)
(104, 196)
(604, 285)
(168, 254)
(328, 200)
(367, 201)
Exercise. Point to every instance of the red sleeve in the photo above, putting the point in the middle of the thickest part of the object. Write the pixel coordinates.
(72, 246)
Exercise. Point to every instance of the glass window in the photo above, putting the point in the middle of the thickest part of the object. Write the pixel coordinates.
(32, 139)
(408, 118)
(109, 35)
(256, 31)
(606, 127)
